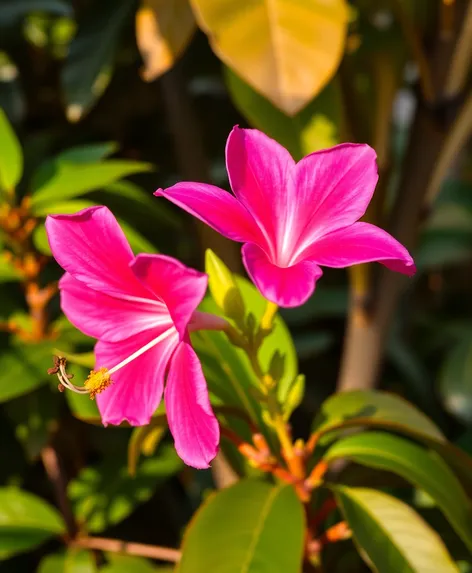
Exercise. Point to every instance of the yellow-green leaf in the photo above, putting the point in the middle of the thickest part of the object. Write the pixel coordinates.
(223, 287)
(11, 157)
(286, 50)
(164, 28)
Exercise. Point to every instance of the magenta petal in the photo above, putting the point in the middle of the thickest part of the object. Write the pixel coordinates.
(106, 317)
(259, 170)
(181, 288)
(361, 243)
(137, 387)
(191, 419)
(286, 286)
(91, 246)
(332, 189)
(215, 207)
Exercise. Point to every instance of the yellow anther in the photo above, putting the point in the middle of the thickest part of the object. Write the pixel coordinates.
(97, 381)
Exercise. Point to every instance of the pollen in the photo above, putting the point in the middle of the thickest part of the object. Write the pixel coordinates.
(97, 381)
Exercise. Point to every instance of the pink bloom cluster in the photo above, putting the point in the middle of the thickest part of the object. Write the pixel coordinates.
(139, 308)
(291, 217)
(294, 217)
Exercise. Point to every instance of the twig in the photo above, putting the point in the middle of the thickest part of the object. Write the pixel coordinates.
(53, 470)
(128, 548)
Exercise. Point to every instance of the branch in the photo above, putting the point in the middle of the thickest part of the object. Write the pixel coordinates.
(53, 470)
(118, 546)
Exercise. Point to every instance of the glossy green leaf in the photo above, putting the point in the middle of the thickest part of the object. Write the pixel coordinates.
(68, 180)
(128, 564)
(89, 153)
(107, 494)
(26, 521)
(11, 158)
(376, 409)
(23, 368)
(455, 382)
(392, 537)
(66, 207)
(53, 563)
(73, 561)
(91, 54)
(294, 396)
(263, 531)
(316, 127)
(423, 468)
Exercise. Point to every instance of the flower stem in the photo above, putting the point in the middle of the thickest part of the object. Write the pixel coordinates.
(118, 546)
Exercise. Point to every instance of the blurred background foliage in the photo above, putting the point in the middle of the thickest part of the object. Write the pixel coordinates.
(111, 99)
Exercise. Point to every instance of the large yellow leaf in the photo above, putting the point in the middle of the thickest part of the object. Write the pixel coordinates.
(163, 30)
(287, 50)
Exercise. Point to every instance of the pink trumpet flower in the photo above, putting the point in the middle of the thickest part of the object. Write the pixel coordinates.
(293, 217)
(140, 309)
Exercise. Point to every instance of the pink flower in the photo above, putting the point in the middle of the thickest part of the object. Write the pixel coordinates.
(139, 308)
(294, 217)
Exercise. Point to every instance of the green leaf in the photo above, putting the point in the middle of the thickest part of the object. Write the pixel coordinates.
(455, 382)
(83, 408)
(128, 564)
(263, 531)
(67, 180)
(105, 495)
(423, 468)
(391, 536)
(90, 153)
(374, 409)
(26, 521)
(223, 287)
(23, 368)
(91, 54)
(63, 207)
(11, 158)
(74, 561)
(316, 127)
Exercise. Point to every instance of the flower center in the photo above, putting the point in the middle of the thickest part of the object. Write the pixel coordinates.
(99, 380)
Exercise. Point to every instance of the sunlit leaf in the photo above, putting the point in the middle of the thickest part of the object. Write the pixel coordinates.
(66, 180)
(91, 54)
(390, 534)
(26, 521)
(263, 531)
(144, 440)
(223, 287)
(288, 51)
(316, 127)
(11, 157)
(423, 468)
(128, 564)
(164, 28)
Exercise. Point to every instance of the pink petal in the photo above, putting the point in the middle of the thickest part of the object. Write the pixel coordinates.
(91, 246)
(137, 387)
(360, 243)
(286, 286)
(191, 419)
(332, 189)
(259, 169)
(215, 207)
(109, 318)
(179, 287)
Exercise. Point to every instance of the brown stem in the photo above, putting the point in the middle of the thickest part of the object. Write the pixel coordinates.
(53, 470)
(362, 362)
(462, 59)
(118, 546)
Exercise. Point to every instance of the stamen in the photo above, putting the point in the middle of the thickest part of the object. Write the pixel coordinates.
(97, 381)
